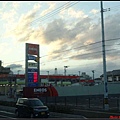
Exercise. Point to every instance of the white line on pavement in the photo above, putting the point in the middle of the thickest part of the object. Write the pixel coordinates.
(7, 117)
(7, 112)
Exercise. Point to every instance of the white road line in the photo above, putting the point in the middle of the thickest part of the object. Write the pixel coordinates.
(7, 112)
(7, 117)
(84, 117)
(99, 112)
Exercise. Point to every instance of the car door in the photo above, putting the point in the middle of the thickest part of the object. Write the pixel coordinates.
(27, 109)
(20, 107)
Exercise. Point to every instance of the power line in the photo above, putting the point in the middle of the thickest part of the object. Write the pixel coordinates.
(52, 14)
(97, 52)
(76, 48)
(83, 46)
(48, 15)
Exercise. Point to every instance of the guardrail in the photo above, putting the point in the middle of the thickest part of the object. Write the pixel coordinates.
(83, 102)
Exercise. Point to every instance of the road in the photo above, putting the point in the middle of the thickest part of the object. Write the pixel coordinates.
(8, 112)
(81, 111)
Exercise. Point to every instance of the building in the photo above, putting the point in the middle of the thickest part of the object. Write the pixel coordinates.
(4, 70)
(112, 76)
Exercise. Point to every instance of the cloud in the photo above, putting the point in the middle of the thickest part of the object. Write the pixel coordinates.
(37, 6)
(14, 66)
(15, 5)
(22, 28)
(50, 9)
(7, 16)
(60, 36)
(76, 14)
(94, 11)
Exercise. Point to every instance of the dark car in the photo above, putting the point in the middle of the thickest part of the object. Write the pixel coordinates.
(31, 107)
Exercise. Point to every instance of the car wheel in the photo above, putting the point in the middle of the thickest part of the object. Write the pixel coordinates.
(31, 115)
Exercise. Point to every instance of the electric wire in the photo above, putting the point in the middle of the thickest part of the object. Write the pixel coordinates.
(74, 48)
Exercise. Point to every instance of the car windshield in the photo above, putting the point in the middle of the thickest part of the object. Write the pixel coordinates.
(35, 103)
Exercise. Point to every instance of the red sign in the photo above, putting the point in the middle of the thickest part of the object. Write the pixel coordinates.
(42, 91)
(33, 49)
(35, 78)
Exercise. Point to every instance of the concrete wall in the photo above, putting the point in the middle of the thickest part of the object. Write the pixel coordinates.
(87, 90)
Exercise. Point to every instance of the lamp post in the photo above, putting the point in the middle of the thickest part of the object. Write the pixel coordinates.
(10, 83)
(93, 73)
(64, 74)
(18, 71)
(79, 77)
(48, 75)
(65, 69)
(15, 84)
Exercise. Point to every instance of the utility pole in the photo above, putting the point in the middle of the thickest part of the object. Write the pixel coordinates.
(93, 73)
(64, 74)
(106, 105)
(48, 75)
(65, 70)
(79, 77)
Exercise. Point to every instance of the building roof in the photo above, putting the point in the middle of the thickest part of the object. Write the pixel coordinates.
(114, 72)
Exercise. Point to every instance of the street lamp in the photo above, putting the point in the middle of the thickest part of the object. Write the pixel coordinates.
(18, 71)
(48, 75)
(79, 76)
(65, 69)
(15, 83)
(93, 73)
(64, 74)
(10, 83)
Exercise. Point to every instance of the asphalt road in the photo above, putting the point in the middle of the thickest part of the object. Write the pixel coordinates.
(9, 112)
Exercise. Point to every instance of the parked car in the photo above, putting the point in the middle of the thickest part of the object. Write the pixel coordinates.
(31, 107)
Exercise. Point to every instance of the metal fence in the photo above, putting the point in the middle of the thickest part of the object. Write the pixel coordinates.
(84, 102)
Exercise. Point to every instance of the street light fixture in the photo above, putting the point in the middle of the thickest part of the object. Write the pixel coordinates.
(65, 69)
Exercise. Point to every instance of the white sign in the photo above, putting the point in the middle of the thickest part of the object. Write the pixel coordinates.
(31, 64)
(41, 90)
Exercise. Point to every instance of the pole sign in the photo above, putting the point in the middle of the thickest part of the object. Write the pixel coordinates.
(31, 64)
(33, 49)
(31, 57)
(32, 68)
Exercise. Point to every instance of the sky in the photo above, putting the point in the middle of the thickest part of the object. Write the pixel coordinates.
(68, 33)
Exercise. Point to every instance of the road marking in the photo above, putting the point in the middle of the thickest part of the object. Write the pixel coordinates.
(98, 112)
(7, 117)
(7, 112)
(84, 117)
